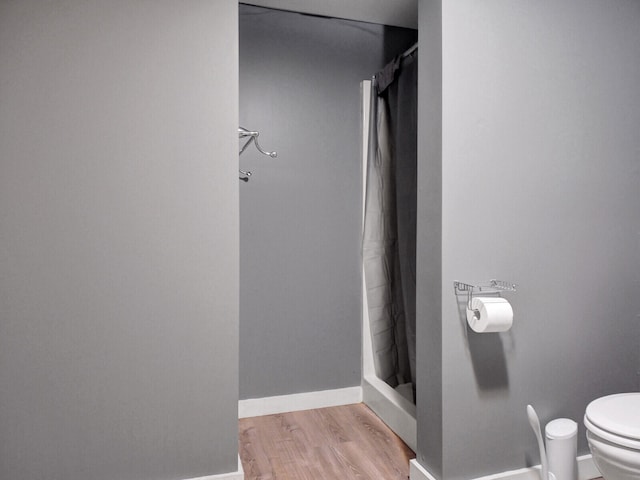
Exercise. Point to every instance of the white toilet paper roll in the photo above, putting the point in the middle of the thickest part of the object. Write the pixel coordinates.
(490, 314)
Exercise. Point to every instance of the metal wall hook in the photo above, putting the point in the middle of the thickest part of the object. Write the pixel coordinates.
(251, 136)
(246, 174)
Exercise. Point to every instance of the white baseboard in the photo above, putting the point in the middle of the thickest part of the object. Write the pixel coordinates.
(418, 472)
(586, 471)
(239, 475)
(255, 407)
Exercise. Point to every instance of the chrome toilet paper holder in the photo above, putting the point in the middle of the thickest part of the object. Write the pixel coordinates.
(494, 287)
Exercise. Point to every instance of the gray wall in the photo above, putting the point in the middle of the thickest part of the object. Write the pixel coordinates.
(541, 186)
(300, 213)
(429, 240)
(118, 239)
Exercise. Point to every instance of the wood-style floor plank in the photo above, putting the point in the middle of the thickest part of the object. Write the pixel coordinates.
(348, 442)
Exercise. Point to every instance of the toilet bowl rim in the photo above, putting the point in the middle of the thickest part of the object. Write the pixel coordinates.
(612, 438)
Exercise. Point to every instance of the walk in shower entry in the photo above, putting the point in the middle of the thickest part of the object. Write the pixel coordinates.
(389, 129)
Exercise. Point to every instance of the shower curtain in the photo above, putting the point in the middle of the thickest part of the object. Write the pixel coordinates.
(389, 240)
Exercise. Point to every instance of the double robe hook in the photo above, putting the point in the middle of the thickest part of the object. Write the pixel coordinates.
(251, 137)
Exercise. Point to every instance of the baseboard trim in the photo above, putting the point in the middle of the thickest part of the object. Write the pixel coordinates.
(239, 475)
(255, 407)
(587, 470)
(418, 472)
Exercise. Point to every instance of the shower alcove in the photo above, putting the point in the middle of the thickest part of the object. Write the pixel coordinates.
(395, 406)
(301, 281)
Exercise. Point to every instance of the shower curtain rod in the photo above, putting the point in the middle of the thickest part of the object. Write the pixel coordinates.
(395, 65)
(410, 50)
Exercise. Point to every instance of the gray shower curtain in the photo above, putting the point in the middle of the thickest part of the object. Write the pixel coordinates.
(389, 241)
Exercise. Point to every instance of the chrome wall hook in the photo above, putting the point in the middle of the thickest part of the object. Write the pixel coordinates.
(251, 136)
(246, 176)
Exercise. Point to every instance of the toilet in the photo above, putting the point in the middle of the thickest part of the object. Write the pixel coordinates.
(613, 434)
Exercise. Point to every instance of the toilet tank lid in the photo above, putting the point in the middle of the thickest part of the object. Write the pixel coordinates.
(618, 414)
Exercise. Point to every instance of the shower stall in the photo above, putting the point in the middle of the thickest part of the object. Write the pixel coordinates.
(300, 212)
(389, 159)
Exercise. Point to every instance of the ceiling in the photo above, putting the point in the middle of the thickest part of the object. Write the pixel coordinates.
(398, 13)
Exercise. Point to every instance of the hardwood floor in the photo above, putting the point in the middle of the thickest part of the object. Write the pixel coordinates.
(347, 442)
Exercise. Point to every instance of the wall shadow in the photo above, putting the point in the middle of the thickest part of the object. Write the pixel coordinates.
(396, 41)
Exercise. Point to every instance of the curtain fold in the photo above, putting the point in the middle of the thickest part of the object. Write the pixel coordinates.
(389, 240)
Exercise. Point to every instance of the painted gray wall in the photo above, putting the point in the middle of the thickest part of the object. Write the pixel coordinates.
(429, 240)
(118, 239)
(300, 214)
(541, 186)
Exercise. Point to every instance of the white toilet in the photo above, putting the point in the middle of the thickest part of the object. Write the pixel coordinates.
(613, 434)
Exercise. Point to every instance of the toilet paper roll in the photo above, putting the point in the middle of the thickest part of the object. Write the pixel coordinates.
(490, 314)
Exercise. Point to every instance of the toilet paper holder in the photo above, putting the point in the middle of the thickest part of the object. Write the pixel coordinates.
(494, 287)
